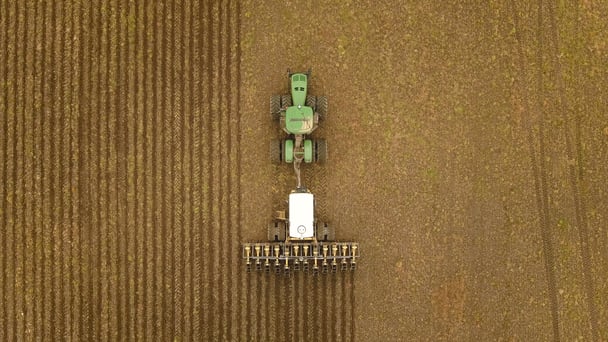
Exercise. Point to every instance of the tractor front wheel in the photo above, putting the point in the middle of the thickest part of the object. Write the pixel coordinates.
(288, 151)
(285, 101)
(308, 151)
(311, 101)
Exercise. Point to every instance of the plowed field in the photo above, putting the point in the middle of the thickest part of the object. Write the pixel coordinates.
(467, 156)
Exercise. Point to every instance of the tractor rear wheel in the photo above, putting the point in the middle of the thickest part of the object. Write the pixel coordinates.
(320, 151)
(276, 231)
(285, 101)
(311, 101)
(322, 107)
(275, 151)
(275, 107)
(325, 232)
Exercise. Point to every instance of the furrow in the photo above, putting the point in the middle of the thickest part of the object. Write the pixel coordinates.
(206, 179)
(150, 209)
(236, 43)
(94, 320)
(137, 24)
(121, 146)
(18, 179)
(131, 170)
(75, 185)
(112, 86)
(37, 175)
(4, 143)
(196, 158)
(166, 88)
(222, 175)
(175, 73)
(84, 222)
(65, 129)
(104, 209)
(353, 308)
(158, 193)
(184, 249)
(206, 139)
(57, 214)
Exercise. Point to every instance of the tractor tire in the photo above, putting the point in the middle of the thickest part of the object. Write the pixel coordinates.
(325, 232)
(276, 155)
(276, 231)
(309, 151)
(287, 155)
(320, 151)
(275, 107)
(311, 101)
(322, 107)
(285, 101)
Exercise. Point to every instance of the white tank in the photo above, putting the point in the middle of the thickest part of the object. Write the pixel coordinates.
(301, 215)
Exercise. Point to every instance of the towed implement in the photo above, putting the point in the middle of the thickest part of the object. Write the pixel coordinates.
(299, 242)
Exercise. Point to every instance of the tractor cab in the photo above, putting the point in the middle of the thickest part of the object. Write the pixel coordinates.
(299, 86)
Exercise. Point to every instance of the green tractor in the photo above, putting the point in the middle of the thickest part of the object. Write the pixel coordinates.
(299, 114)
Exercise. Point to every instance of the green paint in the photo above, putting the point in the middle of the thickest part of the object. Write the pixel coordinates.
(299, 120)
(308, 151)
(288, 151)
(299, 84)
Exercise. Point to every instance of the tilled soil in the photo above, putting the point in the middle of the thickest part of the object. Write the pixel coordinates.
(467, 149)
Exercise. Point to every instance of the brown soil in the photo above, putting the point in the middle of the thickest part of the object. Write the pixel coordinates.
(467, 149)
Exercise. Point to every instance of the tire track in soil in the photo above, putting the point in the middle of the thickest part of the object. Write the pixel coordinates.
(574, 178)
(538, 168)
